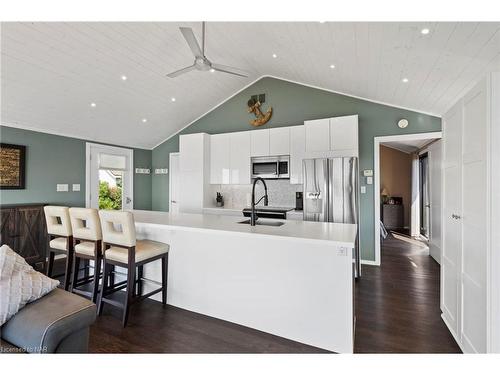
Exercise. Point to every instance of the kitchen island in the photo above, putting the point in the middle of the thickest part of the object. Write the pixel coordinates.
(293, 281)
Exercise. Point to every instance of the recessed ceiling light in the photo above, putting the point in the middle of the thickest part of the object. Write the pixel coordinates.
(425, 31)
(173, 99)
(144, 120)
(124, 78)
(322, 21)
(332, 66)
(405, 80)
(212, 70)
(93, 104)
(274, 55)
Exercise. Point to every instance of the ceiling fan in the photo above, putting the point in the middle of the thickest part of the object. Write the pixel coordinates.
(200, 60)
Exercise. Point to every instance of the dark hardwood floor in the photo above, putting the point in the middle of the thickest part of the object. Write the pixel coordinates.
(397, 311)
(397, 304)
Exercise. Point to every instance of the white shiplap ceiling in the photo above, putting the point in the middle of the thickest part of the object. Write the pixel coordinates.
(409, 146)
(51, 72)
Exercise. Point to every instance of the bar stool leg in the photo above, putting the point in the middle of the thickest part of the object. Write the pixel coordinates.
(75, 269)
(97, 271)
(140, 274)
(105, 277)
(130, 292)
(50, 264)
(164, 276)
(69, 265)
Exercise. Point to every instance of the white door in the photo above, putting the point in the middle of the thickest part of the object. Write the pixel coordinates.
(240, 157)
(109, 178)
(452, 227)
(279, 141)
(435, 163)
(220, 155)
(344, 133)
(317, 135)
(259, 142)
(174, 183)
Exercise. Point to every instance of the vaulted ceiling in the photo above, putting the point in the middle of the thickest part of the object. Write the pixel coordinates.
(52, 72)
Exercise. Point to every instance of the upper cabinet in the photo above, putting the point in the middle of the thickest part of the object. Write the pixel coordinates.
(344, 133)
(337, 134)
(240, 157)
(192, 148)
(279, 141)
(220, 158)
(297, 152)
(259, 142)
(317, 135)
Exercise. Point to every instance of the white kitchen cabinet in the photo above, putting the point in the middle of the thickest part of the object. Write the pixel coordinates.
(194, 171)
(470, 260)
(240, 157)
(279, 141)
(220, 163)
(317, 135)
(344, 133)
(297, 152)
(259, 142)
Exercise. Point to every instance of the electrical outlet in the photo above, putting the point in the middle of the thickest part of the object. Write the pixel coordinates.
(342, 251)
(363, 189)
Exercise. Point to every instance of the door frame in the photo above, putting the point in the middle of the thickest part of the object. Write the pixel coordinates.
(176, 154)
(110, 149)
(376, 174)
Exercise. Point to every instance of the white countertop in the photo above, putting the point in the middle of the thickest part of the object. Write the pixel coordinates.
(339, 234)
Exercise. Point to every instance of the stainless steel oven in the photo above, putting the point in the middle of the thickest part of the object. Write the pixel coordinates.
(273, 167)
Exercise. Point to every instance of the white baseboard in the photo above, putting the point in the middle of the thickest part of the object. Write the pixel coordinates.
(453, 333)
(370, 262)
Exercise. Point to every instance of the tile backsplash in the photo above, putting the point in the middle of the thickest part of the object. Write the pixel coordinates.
(281, 194)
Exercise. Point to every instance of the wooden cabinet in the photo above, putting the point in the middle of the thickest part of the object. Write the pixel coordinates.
(279, 141)
(23, 228)
(317, 135)
(297, 153)
(240, 144)
(344, 133)
(220, 155)
(259, 140)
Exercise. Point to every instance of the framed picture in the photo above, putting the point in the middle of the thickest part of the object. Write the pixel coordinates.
(12, 166)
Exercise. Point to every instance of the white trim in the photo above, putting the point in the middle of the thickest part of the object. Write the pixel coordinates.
(120, 150)
(370, 262)
(376, 184)
(170, 175)
(66, 135)
(298, 83)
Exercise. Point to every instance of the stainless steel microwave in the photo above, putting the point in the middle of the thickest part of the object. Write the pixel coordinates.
(273, 167)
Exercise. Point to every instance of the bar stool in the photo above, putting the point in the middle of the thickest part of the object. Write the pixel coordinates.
(60, 237)
(123, 250)
(87, 243)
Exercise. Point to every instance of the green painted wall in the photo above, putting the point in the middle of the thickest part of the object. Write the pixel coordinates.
(292, 104)
(52, 159)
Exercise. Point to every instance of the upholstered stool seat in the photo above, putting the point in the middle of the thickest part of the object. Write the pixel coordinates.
(122, 249)
(144, 249)
(59, 243)
(85, 248)
(60, 238)
(87, 237)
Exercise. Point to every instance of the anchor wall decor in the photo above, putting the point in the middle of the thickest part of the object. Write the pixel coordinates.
(261, 118)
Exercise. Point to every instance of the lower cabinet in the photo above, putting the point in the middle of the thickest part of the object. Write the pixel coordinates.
(23, 229)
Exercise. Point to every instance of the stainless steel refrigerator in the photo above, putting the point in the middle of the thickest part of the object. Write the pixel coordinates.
(331, 194)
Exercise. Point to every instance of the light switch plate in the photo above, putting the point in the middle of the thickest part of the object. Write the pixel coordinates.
(76, 187)
(368, 173)
(369, 180)
(363, 189)
(62, 187)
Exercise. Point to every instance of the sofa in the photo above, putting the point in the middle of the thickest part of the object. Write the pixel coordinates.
(59, 322)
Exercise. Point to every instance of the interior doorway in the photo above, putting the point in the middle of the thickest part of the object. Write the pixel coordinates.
(109, 177)
(403, 189)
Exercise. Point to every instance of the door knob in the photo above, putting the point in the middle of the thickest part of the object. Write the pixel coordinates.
(173, 201)
(128, 200)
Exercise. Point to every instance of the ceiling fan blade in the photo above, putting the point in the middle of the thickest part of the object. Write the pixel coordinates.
(180, 71)
(230, 70)
(188, 34)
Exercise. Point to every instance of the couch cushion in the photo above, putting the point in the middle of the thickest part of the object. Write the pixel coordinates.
(8, 348)
(144, 249)
(43, 324)
(19, 283)
(59, 243)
